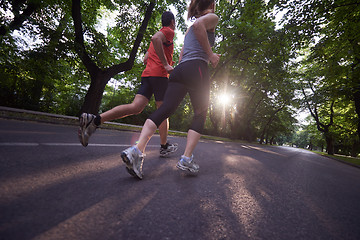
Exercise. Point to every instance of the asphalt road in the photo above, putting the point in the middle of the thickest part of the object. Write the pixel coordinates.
(53, 188)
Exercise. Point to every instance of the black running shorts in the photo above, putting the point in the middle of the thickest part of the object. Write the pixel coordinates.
(153, 85)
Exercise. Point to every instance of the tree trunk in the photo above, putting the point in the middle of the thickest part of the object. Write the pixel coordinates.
(94, 94)
(329, 144)
(357, 108)
(267, 139)
(355, 148)
(99, 77)
(214, 121)
(355, 78)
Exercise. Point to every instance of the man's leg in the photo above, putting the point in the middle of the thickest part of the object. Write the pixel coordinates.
(121, 111)
(165, 147)
(163, 128)
(89, 122)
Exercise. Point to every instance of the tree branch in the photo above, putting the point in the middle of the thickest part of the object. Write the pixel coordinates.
(19, 18)
(91, 67)
(125, 66)
(314, 115)
(227, 61)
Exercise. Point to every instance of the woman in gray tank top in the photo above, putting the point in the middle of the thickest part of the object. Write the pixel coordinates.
(190, 76)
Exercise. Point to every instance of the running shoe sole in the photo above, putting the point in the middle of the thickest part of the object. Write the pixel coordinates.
(82, 131)
(129, 167)
(165, 154)
(131, 171)
(184, 168)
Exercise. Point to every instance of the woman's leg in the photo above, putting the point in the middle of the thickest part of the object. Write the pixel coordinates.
(195, 131)
(191, 142)
(200, 101)
(147, 132)
(173, 97)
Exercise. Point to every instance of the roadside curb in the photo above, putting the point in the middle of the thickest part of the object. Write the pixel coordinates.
(13, 113)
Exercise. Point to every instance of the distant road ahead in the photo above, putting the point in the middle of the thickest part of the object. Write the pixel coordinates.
(53, 188)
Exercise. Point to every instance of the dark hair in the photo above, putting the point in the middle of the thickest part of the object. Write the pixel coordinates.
(197, 6)
(166, 18)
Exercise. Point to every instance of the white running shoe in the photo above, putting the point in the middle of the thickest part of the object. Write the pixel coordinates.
(134, 159)
(188, 164)
(170, 148)
(87, 127)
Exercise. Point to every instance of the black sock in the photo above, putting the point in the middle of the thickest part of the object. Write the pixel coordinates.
(97, 120)
(164, 146)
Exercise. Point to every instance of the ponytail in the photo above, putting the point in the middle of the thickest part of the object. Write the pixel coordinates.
(197, 6)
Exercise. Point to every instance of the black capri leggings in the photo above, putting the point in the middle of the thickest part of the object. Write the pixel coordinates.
(189, 77)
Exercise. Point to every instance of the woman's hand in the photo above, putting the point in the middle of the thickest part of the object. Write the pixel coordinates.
(214, 59)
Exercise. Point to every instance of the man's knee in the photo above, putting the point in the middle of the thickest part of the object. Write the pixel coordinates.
(137, 108)
(138, 104)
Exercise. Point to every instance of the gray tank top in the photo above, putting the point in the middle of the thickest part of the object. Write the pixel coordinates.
(192, 49)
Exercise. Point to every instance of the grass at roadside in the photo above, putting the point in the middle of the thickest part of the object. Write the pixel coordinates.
(351, 160)
(37, 117)
(34, 116)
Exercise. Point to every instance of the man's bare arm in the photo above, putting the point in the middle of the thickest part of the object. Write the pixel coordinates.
(158, 39)
(146, 57)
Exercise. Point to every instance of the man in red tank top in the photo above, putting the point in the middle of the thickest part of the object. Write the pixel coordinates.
(154, 81)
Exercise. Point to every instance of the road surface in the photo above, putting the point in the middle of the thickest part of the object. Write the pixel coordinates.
(53, 188)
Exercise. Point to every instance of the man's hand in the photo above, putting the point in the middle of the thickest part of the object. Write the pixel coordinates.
(214, 59)
(158, 39)
(168, 68)
(146, 57)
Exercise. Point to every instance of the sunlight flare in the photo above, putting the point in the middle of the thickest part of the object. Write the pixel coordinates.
(224, 99)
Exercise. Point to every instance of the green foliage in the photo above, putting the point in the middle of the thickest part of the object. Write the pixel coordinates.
(253, 69)
(329, 31)
(35, 72)
(48, 75)
(181, 119)
(257, 67)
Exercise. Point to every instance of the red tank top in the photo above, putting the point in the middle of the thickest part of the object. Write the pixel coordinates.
(154, 67)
